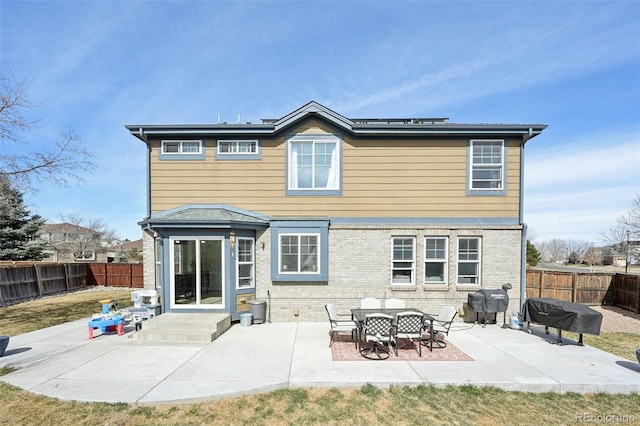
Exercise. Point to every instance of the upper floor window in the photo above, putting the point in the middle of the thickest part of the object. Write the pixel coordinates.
(314, 165)
(487, 164)
(435, 260)
(237, 147)
(403, 260)
(238, 150)
(181, 150)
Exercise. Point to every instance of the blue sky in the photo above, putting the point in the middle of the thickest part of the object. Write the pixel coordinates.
(575, 66)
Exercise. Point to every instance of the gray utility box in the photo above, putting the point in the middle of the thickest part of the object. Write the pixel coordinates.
(258, 310)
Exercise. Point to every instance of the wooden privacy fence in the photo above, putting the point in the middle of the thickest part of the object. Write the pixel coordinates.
(115, 274)
(589, 288)
(37, 280)
(23, 282)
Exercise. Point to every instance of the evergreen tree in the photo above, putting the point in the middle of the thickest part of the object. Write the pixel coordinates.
(17, 228)
(533, 255)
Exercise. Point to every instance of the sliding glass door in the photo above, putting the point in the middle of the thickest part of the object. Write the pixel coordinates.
(197, 271)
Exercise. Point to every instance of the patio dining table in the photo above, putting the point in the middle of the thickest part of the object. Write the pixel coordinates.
(359, 315)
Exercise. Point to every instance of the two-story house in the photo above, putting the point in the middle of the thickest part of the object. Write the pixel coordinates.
(315, 207)
(66, 242)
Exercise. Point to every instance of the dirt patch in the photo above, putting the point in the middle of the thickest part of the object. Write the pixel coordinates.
(618, 320)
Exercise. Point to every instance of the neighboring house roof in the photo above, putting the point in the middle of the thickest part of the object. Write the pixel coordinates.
(363, 126)
(130, 245)
(66, 228)
(206, 216)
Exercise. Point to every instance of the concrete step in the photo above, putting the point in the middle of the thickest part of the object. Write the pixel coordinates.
(197, 328)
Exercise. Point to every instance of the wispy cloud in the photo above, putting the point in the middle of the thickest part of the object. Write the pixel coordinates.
(546, 47)
(581, 187)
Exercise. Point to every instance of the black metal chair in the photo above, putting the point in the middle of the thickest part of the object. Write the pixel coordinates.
(409, 326)
(441, 325)
(338, 325)
(377, 330)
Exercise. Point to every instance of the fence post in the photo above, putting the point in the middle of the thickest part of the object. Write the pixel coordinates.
(637, 294)
(574, 284)
(541, 284)
(38, 279)
(66, 276)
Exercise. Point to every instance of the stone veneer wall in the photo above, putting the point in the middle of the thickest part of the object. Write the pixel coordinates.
(360, 266)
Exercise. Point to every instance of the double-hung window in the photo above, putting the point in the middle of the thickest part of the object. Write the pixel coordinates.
(403, 261)
(246, 264)
(487, 164)
(181, 150)
(469, 260)
(299, 253)
(435, 260)
(313, 165)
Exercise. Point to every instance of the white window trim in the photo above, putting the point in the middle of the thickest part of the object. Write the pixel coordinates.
(172, 273)
(291, 172)
(473, 166)
(298, 272)
(236, 144)
(445, 261)
(252, 263)
(477, 261)
(180, 143)
(412, 261)
(87, 254)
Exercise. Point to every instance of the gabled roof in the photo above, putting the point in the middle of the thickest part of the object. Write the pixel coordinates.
(66, 228)
(206, 216)
(362, 126)
(308, 109)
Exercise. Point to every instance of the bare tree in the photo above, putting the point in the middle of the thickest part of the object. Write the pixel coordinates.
(627, 226)
(631, 219)
(577, 250)
(62, 161)
(86, 235)
(554, 251)
(624, 236)
(593, 256)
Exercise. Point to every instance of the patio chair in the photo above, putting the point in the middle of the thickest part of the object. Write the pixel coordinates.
(442, 324)
(370, 303)
(394, 304)
(409, 326)
(339, 325)
(377, 330)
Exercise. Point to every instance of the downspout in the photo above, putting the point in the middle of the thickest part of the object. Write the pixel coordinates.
(523, 242)
(143, 137)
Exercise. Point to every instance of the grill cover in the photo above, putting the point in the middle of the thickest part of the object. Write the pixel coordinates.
(567, 316)
(488, 300)
(496, 300)
(475, 302)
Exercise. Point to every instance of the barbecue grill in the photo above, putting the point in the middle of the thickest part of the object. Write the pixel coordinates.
(562, 315)
(490, 301)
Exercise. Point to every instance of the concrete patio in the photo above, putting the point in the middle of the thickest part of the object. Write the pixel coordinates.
(62, 362)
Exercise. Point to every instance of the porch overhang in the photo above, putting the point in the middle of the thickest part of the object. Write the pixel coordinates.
(205, 216)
